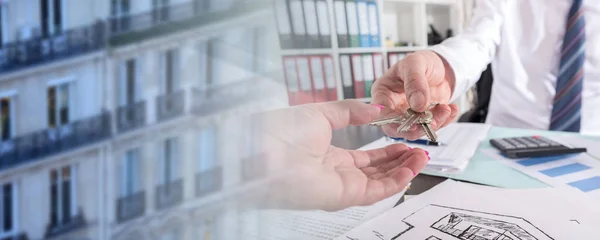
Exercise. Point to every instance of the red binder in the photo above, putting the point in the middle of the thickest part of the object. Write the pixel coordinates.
(305, 94)
(358, 76)
(291, 79)
(330, 81)
(318, 80)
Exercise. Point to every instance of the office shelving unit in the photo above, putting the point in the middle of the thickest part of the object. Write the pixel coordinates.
(401, 21)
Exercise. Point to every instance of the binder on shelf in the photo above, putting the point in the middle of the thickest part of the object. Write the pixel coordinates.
(330, 81)
(369, 73)
(374, 23)
(291, 79)
(318, 80)
(346, 72)
(341, 23)
(284, 26)
(323, 17)
(392, 59)
(363, 23)
(298, 26)
(312, 26)
(353, 31)
(358, 76)
(378, 65)
(306, 90)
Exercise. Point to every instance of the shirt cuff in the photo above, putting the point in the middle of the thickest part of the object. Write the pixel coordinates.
(461, 86)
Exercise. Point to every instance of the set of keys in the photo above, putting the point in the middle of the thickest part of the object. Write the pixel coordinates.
(410, 117)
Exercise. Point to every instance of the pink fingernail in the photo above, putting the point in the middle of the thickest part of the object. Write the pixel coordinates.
(426, 152)
(378, 106)
(414, 174)
(428, 158)
(409, 148)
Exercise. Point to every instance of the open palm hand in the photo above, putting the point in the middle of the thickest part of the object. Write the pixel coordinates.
(310, 173)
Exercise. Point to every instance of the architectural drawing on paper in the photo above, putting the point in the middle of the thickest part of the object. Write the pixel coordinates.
(434, 222)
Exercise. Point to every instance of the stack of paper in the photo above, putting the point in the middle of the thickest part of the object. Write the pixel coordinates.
(454, 210)
(459, 143)
(307, 225)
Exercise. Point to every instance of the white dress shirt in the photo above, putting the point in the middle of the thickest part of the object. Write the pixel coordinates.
(522, 39)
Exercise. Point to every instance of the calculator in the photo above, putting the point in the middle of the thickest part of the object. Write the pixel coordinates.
(532, 146)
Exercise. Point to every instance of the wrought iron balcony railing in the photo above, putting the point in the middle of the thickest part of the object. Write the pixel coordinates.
(169, 194)
(33, 146)
(175, 17)
(224, 96)
(56, 229)
(131, 207)
(43, 49)
(208, 182)
(170, 105)
(131, 116)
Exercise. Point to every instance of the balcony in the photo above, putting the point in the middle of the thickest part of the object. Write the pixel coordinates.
(169, 194)
(208, 182)
(131, 207)
(253, 168)
(173, 18)
(72, 224)
(225, 96)
(20, 236)
(131, 116)
(171, 105)
(38, 50)
(37, 145)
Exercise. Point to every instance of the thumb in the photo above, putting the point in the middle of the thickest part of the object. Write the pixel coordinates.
(412, 72)
(341, 114)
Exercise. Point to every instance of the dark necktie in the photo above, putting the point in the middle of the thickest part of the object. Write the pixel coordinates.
(566, 112)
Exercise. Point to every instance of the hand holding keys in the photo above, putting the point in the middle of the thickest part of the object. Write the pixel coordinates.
(410, 118)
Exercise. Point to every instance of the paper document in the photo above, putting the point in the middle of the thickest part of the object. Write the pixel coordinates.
(454, 210)
(460, 142)
(578, 171)
(307, 225)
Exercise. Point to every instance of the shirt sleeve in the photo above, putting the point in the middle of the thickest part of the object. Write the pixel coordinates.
(469, 52)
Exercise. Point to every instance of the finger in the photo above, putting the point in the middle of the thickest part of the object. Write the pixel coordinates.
(386, 167)
(378, 156)
(344, 113)
(386, 154)
(412, 72)
(378, 189)
(441, 113)
(453, 115)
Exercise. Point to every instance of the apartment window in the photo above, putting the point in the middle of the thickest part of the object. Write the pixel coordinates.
(8, 208)
(169, 161)
(170, 71)
(7, 118)
(160, 10)
(207, 149)
(131, 169)
(59, 105)
(63, 204)
(119, 10)
(51, 12)
(128, 83)
(3, 24)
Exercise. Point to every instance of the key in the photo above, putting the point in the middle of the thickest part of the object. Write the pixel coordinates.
(425, 123)
(386, 121)
(410, 118)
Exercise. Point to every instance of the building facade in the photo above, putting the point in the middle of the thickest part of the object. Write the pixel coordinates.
(123, 119)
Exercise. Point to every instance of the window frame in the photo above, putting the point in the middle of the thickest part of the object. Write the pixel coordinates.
(130, 169)
(72, 188)
(14, 209)
(12, 96)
